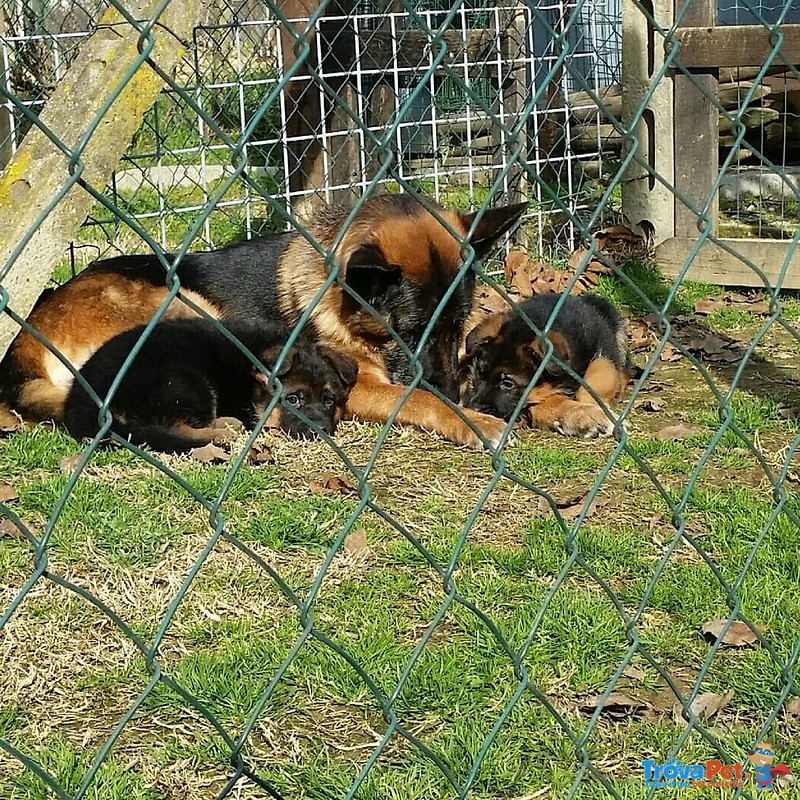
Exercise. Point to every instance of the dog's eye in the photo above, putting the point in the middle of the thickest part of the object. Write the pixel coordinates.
(507, 383)
(294, 399)
(329, 400)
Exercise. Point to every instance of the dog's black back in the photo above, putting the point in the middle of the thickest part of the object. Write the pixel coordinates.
(591, 325)
(187, 373)
(239, 278)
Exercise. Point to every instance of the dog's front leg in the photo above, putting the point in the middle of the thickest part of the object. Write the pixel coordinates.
(582, 416)
(571, 418)
(373, 400)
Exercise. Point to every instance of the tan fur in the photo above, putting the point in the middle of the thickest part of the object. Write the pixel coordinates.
(373, 399)
(109, 304)
(561, 348)
(607, 381)
(488, 328)
(581, 416)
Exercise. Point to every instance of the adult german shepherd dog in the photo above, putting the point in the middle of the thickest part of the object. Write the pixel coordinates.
(395, 254)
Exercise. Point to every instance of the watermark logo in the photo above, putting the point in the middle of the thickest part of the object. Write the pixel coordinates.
(674, 774)
(713, 773)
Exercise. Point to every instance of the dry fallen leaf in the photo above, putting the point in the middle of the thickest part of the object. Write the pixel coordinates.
(617, 706)
(708, 346)
(260, 454)
(670, 353)
(68, 463)
(526, 277)
(488, 301)
(760, 308)
(792, 708)
(754, 303)
(708, 306)
(519, 272)
(704, 706)
(677, 432)
(328, 483)
(616, 235)
(8, 530)
(738, 635)
(210, 454)
(640, 335)
(652, 404)
(7, 493)
(356, 541)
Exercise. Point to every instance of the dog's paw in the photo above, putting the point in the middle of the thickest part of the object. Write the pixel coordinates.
(492, 429)
(585, 421)
(226, 429)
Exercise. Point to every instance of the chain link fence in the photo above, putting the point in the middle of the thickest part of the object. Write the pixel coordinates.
(383, 614)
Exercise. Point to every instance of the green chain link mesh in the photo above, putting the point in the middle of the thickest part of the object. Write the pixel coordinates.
(220, 125)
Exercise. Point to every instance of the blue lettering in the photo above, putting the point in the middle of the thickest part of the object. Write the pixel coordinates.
(670, 770)
(647, 766)
(697, 772)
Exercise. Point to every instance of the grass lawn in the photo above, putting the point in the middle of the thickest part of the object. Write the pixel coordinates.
(408, 650)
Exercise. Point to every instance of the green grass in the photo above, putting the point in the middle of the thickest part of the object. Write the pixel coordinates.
(68, 766)
(651, 289)
(131, 535)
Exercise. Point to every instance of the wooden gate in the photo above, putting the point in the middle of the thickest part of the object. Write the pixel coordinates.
(678, 138)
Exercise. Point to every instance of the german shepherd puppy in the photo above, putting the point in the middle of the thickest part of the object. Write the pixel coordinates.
(395, 255)
(503, 354)
(188, 373)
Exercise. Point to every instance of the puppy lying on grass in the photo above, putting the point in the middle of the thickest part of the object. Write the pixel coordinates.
(503, 354)
(188, 373)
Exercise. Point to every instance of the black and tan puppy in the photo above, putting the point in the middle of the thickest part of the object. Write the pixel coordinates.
(188, 374)
(503, 354)
(394, 254)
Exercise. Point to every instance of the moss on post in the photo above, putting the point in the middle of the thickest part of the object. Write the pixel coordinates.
(40, 170)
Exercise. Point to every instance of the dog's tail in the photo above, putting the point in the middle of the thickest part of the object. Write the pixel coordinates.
(165, 439)
(82, 423)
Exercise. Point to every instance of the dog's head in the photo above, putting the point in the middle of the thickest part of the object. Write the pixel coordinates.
(501, 358)
(400, 259)
(316, 381)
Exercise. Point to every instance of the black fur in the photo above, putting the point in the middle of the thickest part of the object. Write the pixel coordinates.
(237, 278)
(499, 368)
(242, 280)
(188, 373)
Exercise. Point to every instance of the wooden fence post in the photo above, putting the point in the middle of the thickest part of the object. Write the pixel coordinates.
(6, 145)
(646, 203)
(696, 133)
(516, 88)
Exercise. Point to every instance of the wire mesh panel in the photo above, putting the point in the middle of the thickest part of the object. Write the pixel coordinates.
(431, 601)
(444, 140)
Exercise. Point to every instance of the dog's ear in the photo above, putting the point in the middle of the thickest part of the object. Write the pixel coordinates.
(346, 368)
(484, 332)
(269, 357)
(369, 274)
(494, 222)
(561, 350)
